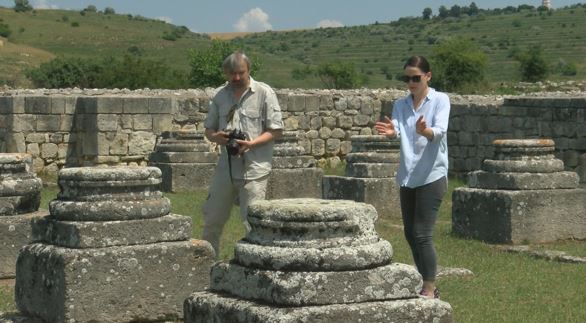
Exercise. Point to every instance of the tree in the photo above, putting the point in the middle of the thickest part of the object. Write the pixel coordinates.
(473, 9)
(427, 13)
(533, 66)
(22, 6)
(206, 64)
(109, 11)
(443, 12)
(455, 11)
(338, 75)
(457, 63)
(5, 30)
(91, 8)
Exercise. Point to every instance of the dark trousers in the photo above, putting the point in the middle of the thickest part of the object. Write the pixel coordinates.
(419, 207)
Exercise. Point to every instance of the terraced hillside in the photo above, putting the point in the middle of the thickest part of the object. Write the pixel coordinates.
(377, 48)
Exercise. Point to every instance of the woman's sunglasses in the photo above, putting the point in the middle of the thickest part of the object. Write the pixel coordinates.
(414, 78)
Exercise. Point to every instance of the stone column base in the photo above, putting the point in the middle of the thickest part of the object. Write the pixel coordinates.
(382, 193)
(185, 177)
(522, 216)
(116, 284)
(295, 183)
(15, 232)
(208, 307)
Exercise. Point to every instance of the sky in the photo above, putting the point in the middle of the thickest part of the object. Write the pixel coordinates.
(261, 15)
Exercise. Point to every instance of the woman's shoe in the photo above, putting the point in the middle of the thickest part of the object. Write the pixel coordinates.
(436, 293)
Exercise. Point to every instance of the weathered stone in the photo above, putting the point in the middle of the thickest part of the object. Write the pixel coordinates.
(102, 234)
(205, 307)
(185, 157)
(523, 181)
(313, 259)
(373, 157)
(299, 288)
(182, 146)
(371, 170)
(141, 282)
(15, 232)
(382, 193)
(501, 216)
(280, 162)
(520, 166)
(182, 177)
(288, 182)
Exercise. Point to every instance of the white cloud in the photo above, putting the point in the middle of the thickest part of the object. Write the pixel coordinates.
(43, 4)
(165, 19)
(327, 23)
(254, 20)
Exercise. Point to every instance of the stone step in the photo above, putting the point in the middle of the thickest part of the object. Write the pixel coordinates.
(523, 166)
(523, 181)
(335, 258)
(182, 146)
(371, 170)
(109, 210)
(184, 157)
(302, 288)
(373, 157)
(204, 307)
(118, 284)
(281, 162)
(90, 234)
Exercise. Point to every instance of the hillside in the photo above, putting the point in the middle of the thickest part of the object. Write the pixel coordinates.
(376, 50)
(15, 58)
(97, 34)
(379, 47)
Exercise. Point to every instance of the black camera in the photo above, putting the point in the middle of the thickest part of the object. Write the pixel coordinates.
(232, 147)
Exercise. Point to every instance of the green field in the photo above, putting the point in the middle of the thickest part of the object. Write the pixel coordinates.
(382, 46)
(506, 287)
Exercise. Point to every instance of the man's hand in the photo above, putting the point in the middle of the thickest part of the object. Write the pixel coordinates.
(219, 137)
(245, 145)
(386, 128)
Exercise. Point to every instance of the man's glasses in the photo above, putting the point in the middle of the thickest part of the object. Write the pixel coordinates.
(414, 78)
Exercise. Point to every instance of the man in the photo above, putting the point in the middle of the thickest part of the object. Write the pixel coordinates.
(251, 107)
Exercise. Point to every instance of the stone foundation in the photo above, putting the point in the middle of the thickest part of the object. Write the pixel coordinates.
(521, 196)
(20, 196)
(312, 260)
(294, 174)
(186, 160)
(370, 175)
(110, 251)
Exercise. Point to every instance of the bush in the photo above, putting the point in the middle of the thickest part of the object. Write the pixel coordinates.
(22, 6)
(338, 75)
(75, 24)
(109, 11)
(206, 64)
(533, 66)
(457, 63)
(5, 30)
(126, 72)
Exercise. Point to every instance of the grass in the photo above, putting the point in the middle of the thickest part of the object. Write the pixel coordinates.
(506, 287)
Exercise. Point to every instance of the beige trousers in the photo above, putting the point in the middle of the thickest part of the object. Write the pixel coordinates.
(223, 194)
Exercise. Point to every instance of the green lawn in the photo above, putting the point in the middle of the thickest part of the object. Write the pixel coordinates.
(506, 287)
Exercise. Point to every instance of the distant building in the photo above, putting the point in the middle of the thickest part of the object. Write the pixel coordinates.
(546, 3)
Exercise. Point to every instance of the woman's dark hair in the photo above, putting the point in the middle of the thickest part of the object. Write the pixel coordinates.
(419, 62)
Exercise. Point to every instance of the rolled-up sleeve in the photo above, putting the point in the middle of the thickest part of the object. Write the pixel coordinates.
(212, 120)
(273, 113)
(441, 118)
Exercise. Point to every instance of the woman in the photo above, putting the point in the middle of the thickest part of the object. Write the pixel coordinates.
(420, 120)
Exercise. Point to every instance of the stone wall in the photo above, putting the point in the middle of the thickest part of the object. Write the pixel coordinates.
(87, 127)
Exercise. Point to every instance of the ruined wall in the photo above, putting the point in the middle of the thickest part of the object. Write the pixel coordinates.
(61, 127)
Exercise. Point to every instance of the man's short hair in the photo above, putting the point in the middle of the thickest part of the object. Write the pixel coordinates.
(230, 63)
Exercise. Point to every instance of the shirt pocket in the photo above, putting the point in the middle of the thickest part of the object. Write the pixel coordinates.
(250, 121)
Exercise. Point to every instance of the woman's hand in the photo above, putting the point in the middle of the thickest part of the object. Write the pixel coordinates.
(386, 128)
(422, 129)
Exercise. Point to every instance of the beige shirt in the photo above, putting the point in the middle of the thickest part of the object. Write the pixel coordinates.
(257, 110)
